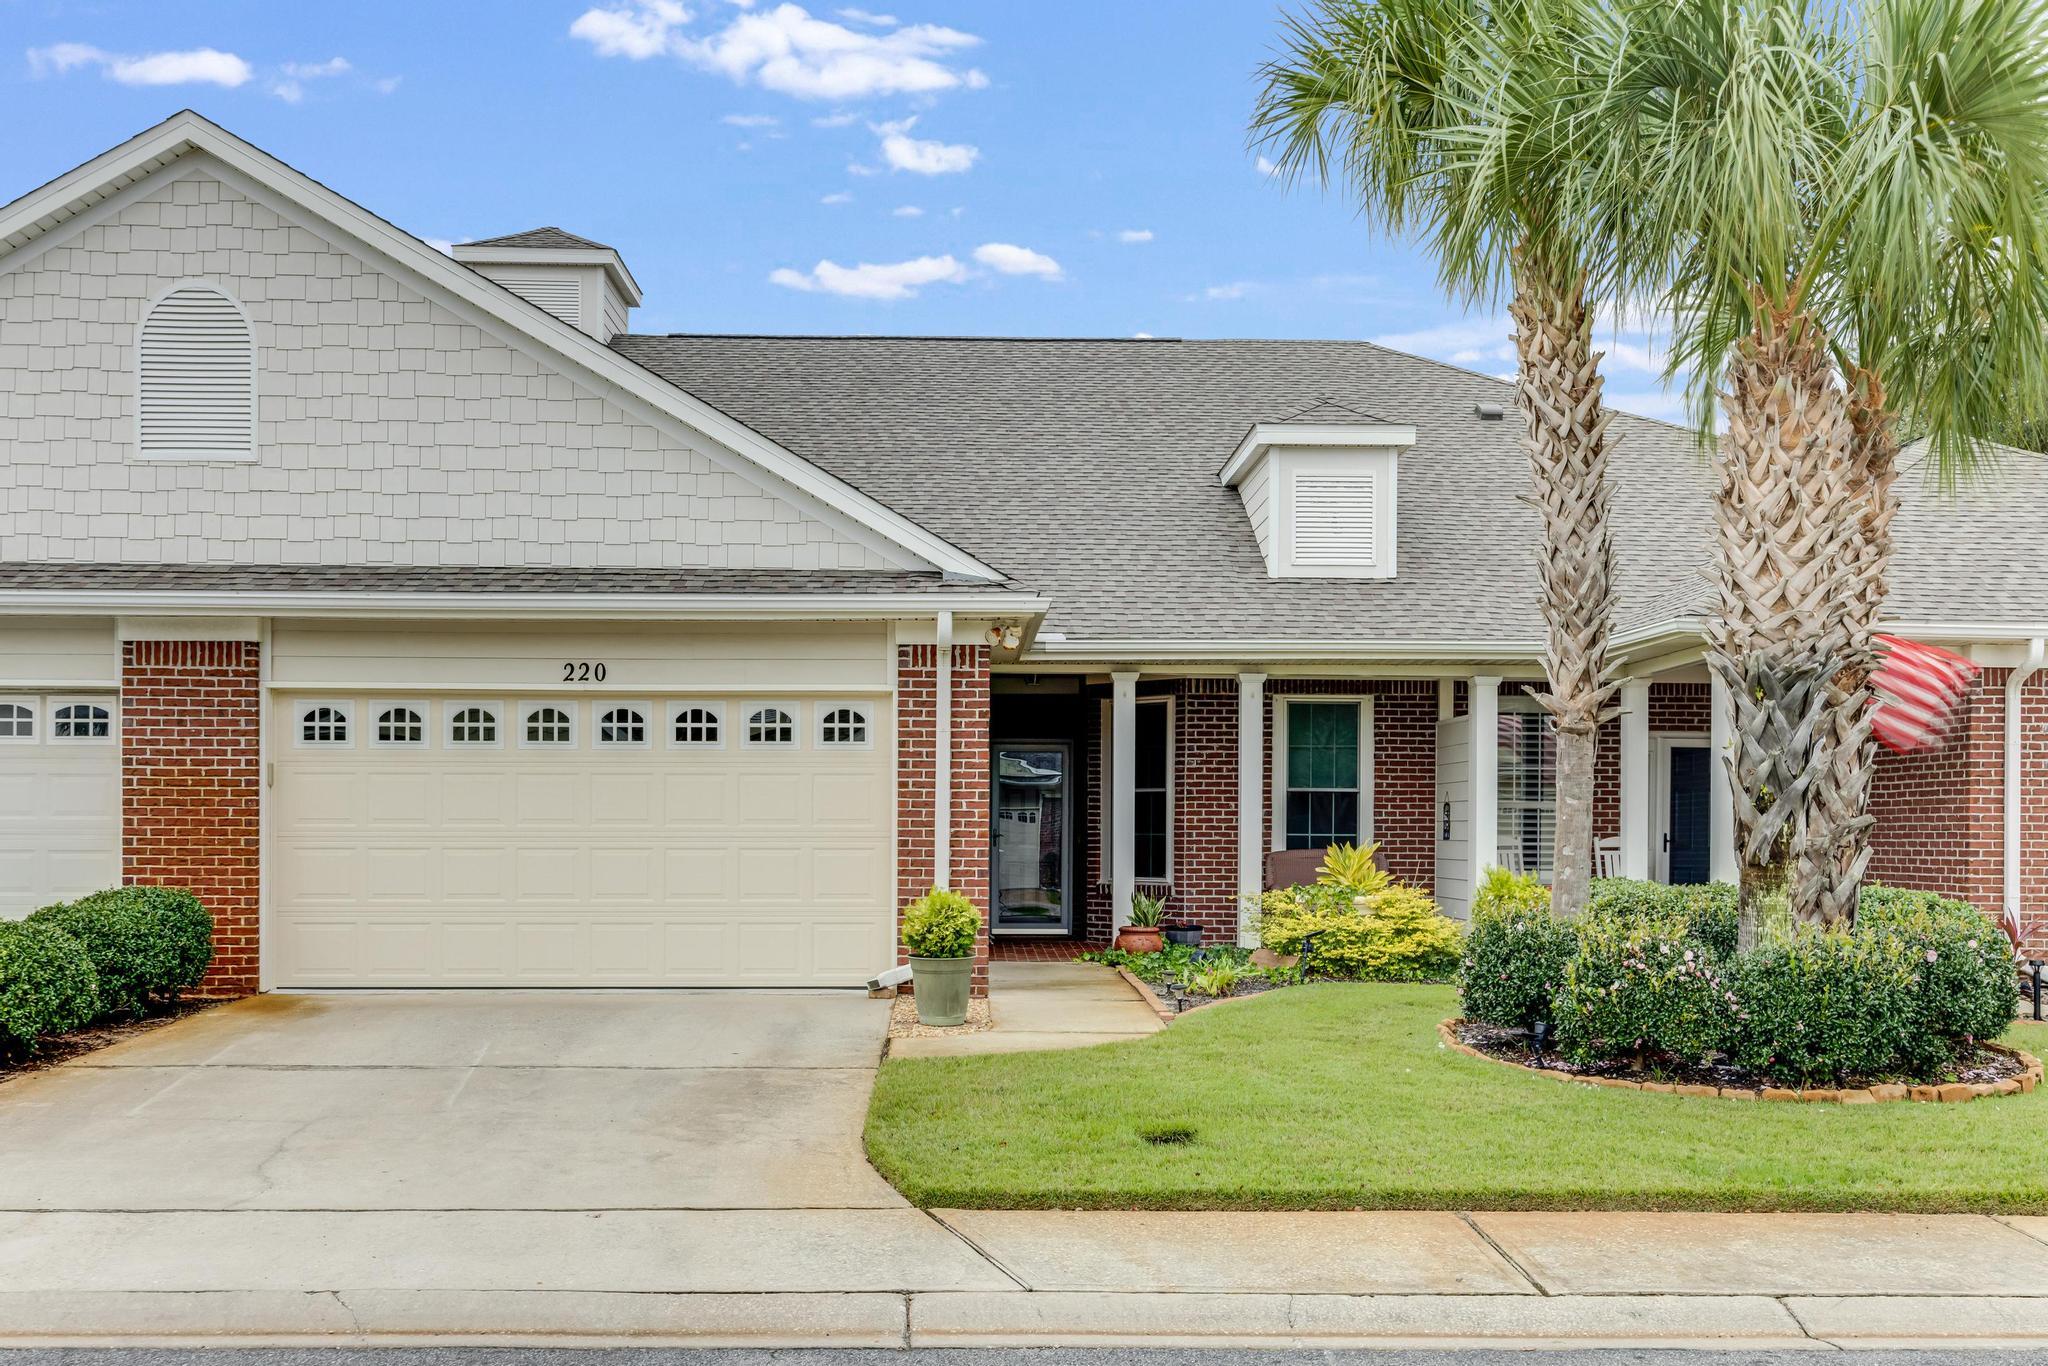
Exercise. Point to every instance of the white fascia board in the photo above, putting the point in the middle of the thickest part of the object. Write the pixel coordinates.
(1266, 435)
(39, 210)
(539, 606)
(1248, 651)
(613, 264)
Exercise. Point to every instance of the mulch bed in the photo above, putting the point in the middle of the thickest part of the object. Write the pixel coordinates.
(91, 1039)
(1246, 986)
(1503, 1044)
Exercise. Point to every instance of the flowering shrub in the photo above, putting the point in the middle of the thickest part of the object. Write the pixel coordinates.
(1396, 934)
(1639, 987)
(1515, 951)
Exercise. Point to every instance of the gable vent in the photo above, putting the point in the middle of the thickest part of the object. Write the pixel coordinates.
(559, 294)
(1335, 518)
(197, 363)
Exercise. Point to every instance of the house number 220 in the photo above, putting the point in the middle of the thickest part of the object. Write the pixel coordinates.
(582, 671)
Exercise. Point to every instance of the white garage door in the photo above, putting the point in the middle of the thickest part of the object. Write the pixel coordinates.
(60, 799)
(550, 842)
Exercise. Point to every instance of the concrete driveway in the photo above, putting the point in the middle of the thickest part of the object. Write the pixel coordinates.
(462, 1142)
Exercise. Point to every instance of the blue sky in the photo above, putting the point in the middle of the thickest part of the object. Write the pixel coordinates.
(1054, 168)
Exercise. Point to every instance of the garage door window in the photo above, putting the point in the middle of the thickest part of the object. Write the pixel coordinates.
(17, 723)
(81, 721)
(622, 726)
(697, 725)
(843, 726)
(401, 726)
(326, 724)
(549, 726)
(473, 725)
(771, 726)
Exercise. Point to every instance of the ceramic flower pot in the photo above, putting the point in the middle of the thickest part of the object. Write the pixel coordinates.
(1140, 939)
(941, 986)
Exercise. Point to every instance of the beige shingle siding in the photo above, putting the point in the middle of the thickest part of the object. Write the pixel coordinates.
(389, 430)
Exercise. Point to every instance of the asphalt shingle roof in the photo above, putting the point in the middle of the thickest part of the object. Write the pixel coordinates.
(540, 237)
(202, 578)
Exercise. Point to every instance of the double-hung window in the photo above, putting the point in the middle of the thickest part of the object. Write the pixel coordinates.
(1526, 773)
(1327, 793)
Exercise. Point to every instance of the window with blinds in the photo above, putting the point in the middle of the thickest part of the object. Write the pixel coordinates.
(196, 386)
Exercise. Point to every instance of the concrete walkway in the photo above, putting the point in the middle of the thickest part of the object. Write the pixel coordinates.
(1043, 1006)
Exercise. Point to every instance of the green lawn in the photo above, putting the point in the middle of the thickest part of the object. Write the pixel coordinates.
(1340, 1097)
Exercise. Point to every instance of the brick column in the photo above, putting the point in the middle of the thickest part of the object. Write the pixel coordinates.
(916, 721)
(190, 787)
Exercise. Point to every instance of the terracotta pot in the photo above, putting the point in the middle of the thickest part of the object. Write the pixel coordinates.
(1140, 939)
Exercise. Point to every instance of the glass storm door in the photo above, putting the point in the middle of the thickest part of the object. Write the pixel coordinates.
(1032, 870)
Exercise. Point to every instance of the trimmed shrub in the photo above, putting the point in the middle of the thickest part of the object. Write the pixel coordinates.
(1824, 1005)
(1393, 935)
(1968, 989)
(1515, 951)
(940, 924)
(47, 984)
(1707, 909)
(1639, 987)
(147, 944)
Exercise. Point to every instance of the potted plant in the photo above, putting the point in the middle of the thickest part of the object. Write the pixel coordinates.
(939, 930)
(1184, 933)
(1141, 934)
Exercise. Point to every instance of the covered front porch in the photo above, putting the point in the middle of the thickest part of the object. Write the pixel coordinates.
(1179, 783)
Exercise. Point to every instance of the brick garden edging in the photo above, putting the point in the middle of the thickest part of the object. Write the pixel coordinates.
(1950, 1093)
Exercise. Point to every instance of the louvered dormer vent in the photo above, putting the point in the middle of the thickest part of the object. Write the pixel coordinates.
(1321, 497)
(196, 378)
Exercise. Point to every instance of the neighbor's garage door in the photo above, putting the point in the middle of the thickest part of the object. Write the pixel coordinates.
(550, 842)
(60, 799)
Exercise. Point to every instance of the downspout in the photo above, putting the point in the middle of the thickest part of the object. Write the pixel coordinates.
(2010, 903)
(942, 762)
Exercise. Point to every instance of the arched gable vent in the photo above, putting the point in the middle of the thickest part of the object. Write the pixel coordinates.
(197, 380)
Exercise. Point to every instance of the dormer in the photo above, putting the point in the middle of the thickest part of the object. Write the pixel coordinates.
(1321, 496)
(584, 283)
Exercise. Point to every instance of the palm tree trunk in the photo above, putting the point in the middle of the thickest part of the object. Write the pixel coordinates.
(1557, 391)
(1830, 868)
(1772, 632)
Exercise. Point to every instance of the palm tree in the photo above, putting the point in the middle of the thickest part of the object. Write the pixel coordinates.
(1814, 205)
(1462, 121)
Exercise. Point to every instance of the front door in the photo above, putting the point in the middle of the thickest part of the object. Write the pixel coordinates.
(1031, 863)
(1687, 822)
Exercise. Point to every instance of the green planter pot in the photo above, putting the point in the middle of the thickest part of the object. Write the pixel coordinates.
(942, 986)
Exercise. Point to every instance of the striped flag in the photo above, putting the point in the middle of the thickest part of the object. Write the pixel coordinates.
(1916, 688)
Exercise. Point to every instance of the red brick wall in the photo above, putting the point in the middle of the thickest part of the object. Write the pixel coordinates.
(916, 754)
(191, 787)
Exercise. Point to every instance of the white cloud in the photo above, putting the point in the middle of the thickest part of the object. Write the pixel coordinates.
(643, 29)
(900, 280)
(291, 87)
(1141, 336)
(837, 197)
(198, 66)
(1135, 235)
(925, 156)
(788, 50)
(384, 85)
(1481, 338)
(1266, 168)
(750, 120)
(444, 245)
(861, 16)
(1006, 259)
(1236, 289)
(907, 211)
(839, 120)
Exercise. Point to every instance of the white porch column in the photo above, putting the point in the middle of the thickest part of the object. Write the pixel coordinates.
(1485, 775)
(1724, 865)
(1636, 858)
(942, 756)
(1123, 796)
(1251, 792)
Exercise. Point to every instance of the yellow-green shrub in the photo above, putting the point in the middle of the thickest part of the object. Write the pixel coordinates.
(1393, 935)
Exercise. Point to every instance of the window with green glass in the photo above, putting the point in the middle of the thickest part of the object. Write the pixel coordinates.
(1323, 778)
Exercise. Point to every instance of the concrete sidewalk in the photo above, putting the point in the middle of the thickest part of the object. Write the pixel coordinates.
(1040, 1007)
(1024, 1278)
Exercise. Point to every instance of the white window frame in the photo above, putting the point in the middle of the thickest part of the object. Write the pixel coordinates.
(646, 711)
(1520, 703)
(255, 379)
(450, 710)
(862, 710)
(54, 704)
(1276, 763)
(35, 718)
(568, 709)
(345, 706)
(1108, 827)
(794, 711)
(375, 714)
(674, 712)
